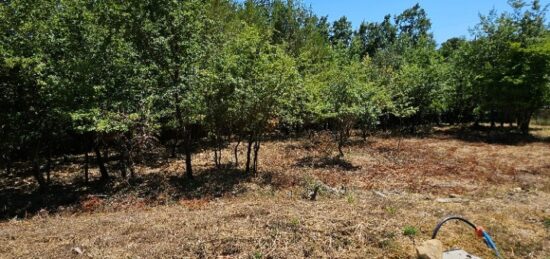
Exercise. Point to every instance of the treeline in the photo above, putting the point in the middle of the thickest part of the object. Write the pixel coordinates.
(84, 76)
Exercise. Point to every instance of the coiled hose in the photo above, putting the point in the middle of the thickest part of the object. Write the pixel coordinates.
(480, 232)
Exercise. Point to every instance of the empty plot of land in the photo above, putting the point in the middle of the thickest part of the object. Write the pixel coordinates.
(365, 202)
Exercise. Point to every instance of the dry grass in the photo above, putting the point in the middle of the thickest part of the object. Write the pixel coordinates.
(384, 190)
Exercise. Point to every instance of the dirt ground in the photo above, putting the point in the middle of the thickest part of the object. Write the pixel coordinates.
(385, 197)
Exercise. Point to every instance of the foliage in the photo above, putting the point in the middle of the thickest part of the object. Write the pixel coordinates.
(410, 231)
(114, 74)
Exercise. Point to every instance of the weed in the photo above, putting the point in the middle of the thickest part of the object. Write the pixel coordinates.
(258, 255)
(410, 231)
(385, 243)
(389, 235)
(350, 198)
(391, 210)
(295, 222)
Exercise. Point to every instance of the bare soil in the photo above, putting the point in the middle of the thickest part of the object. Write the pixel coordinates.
(496, 179)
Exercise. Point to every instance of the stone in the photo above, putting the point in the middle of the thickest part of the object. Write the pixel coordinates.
(77, 250)
(431, 249)
(458, 254)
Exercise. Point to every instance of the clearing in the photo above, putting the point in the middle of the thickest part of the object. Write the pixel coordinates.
(364, 206)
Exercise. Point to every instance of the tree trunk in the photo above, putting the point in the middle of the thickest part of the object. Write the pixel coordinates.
(400, 135)
(125, 160)
(341, 143)
(216, 158)
(248, 151)
(220, 150)
(364, 134)
(37, 174)
(86, 161)
(236, 152)
(122, 164)
(188, 155)
(219, 146)
(132, 171)
(256, 149)
(106, 155)
(48, 169)
(524, 122)
(130, 160)
(188, 166)
(100, 163)
(310, 134)
(175, 146)
(186, 134)
(217, 152)
(492, 115)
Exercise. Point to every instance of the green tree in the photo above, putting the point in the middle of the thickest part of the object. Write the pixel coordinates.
(511, 76)
(341, 32)
(97, 69)
(171, 39)
(265, 78)
(413, 24)
(372, 37)
(459, 98)
(31, 120)
(342, 94)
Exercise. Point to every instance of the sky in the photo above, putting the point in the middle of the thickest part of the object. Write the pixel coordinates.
(450, 18)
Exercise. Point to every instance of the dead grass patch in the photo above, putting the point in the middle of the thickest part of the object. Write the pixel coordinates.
(226, 214)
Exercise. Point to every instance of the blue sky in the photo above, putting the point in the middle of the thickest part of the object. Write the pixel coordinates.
(450, 18)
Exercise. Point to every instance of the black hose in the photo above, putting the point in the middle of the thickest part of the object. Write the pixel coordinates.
(440, 224)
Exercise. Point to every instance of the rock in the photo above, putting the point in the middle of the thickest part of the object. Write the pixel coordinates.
(431, 249)
(43, 213)
(451, 200)
(458, 254)
(77, 250)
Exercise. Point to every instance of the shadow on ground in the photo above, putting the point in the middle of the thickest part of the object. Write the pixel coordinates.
(499, 136)
(326, 162)
(20, 197)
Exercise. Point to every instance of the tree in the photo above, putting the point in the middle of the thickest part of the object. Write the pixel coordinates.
(459, 98)
(410, 68)
(171, 40)
(372, 37)
(31, 120)
(529, 82)
(341, 32)
(288, 20)
(413, 24)
(342, 94)
(98, 70)
(510, 74)
(218, 84)
(264, 79)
